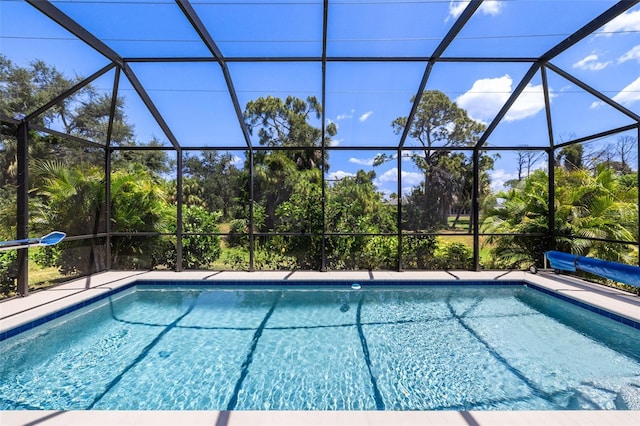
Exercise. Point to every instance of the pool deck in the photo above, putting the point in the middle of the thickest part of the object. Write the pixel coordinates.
(17, 311)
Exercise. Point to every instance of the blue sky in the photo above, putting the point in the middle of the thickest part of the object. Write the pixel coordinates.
(362, 98)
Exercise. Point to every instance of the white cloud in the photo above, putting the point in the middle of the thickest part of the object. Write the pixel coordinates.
(345, 115)
(629, 94)
(528, 104)
(485, 98)
(489, 7)
(628, 21)
(335, 142)
(633, 54)
(591, 63)
(626, 96)
(499, 177)
(362, 161)
(339, 174)
(365, 116)
(391, 176)
(457, 7)
(237, 161)
(412, 178)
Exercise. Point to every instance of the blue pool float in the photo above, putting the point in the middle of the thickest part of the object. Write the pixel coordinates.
(615, 271)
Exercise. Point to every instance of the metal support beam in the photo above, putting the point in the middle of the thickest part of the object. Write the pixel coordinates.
(9, 120)
(107, 167)
(475, 209)
(273, 59)
(446, 41)
(594, 92)
(76, 29)
(551, 202)
(22, 211)
(107, 206)
(206, 38)
(638, 174)
(64, 95)
(596, 136)
(551, 187)
(547, 104)
(200, 28)
(505, 108)
(252, 244)
(611, 13)
(179, 211)
(457, 26)
(113, 106)
(133, 79)
(325, 20)
(399, 209)
(416, 102)
(65, 136)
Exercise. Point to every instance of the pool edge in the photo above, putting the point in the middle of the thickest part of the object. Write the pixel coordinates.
(311, 418)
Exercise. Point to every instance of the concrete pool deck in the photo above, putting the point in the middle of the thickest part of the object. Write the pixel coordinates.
(17, 311)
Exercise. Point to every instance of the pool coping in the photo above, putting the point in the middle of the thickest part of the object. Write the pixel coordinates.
(317, 418)
(18, 311)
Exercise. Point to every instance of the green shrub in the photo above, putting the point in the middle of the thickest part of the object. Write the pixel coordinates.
(239, 237)
(46, 257)
(418, 251)
(452, 255)
(198, 251)
(380, 253)
(8, 272)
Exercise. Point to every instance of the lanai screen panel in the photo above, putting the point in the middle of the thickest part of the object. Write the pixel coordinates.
(503, 29)
(137, 29)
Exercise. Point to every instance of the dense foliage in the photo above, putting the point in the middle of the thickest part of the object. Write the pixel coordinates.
(590, 206)
(300, 219)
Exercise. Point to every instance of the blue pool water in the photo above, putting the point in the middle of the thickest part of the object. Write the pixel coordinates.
(414, 348)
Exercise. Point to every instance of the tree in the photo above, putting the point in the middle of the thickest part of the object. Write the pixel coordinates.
(521, 210)
(439, 123)
(525, 161)
(25, 89)
(22, 91)
(85, 113)
(215, 179)
(302, 214)
(625, 148)
(355, 206)
(571, 157)
(618, 156)
(586, 208)
(71, 198)
(198, 251)
(285, 124)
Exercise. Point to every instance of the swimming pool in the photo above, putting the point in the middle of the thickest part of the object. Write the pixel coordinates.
(434, 347)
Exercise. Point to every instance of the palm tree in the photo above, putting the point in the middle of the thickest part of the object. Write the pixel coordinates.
(596, 207)
(589, 212)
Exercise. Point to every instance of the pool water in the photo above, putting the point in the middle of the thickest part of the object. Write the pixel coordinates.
(418, 348)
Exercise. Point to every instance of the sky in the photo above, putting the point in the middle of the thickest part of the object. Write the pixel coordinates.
(362, 97)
